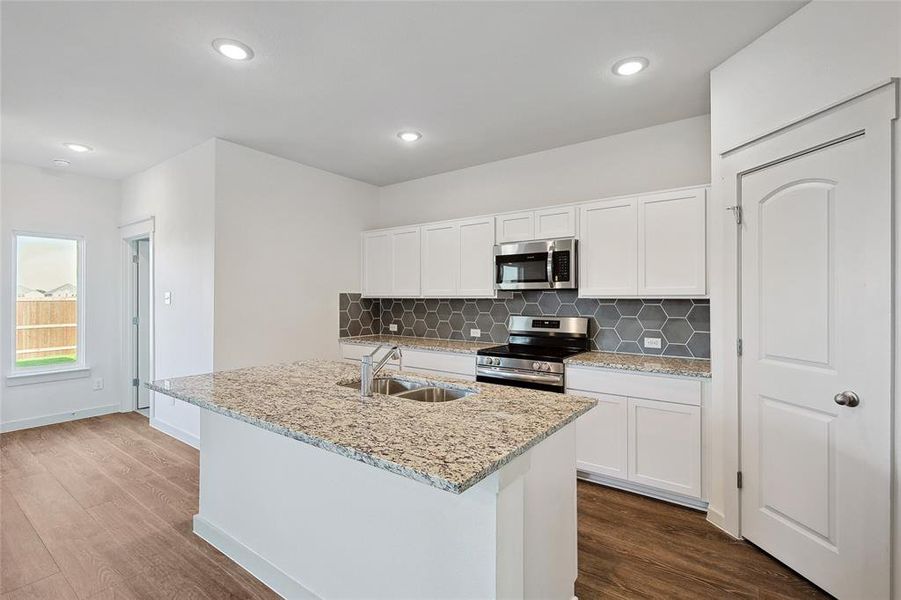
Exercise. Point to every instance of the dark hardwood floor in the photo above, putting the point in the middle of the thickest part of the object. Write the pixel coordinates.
(101, 509)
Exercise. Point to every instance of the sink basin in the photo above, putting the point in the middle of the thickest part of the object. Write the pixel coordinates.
(433, 394)
(411, 390)
(387, 386)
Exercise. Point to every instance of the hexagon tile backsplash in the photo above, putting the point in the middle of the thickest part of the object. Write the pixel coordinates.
(683, 326)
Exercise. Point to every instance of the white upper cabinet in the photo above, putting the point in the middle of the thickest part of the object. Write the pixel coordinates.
(390, 262)
(649, 246)
(458, 258)
(440, 259)
(608, 248)
(672, 249)
(476, 258)
(405, 257)
(557, 222)
(515, 227)
(376, 263)
(541, 224)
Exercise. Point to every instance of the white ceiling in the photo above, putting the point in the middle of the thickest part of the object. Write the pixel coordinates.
(332, 83)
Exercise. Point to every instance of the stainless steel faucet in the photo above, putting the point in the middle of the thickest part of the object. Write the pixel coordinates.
(368, 371)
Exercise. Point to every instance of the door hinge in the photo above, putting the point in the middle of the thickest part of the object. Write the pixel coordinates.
(738, 480)
(739, 346)
(135, 382)
(134, 320)
(134, 258)
(736, 212)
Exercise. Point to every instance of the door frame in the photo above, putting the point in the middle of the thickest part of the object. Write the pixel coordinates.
(879, 111)
(130, 233)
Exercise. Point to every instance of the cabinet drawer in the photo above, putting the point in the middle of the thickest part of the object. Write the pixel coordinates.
(636, 385)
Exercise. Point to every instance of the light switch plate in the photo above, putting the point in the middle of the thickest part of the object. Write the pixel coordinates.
(652, 342)
(475, 333)
(98, 383)
(392, 327)
(167, 297)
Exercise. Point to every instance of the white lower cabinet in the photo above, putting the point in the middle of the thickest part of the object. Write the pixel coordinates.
(644, 436)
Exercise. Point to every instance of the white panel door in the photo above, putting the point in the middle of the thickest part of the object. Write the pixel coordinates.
(440, 259)
(672, 244)
(816, 322)
(665, 446)
(476, 258)
(376, 264)
(405, 259)
(557, 222)
(601, 436)
(608, 255)
(515, 227)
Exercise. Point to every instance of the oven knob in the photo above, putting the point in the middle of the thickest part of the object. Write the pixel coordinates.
(536, 366)
(545, 367)
(494, 361)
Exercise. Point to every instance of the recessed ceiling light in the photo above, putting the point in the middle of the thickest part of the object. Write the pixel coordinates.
(233, 49)
(60, 162)
(630, 66)
(78, 147)
(409, 136)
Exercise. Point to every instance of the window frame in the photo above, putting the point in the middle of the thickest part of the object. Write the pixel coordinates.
(79, 367)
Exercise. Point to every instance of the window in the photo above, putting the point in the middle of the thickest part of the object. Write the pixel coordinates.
(48, 316)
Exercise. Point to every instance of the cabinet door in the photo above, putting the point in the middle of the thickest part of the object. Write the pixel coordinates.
(665, 446)
(476, 258)
(440, 262)
(376, 264)
(515, 227)
(672, 244)
(405, 253)
(601, 436)
(608, 256)
(555, 222)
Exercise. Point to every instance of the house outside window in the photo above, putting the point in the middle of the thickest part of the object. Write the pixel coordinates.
(49, 307)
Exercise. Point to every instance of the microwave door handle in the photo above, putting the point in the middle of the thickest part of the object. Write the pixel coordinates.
(550, 268)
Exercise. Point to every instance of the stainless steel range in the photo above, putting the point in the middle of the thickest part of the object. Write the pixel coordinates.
(534, 352)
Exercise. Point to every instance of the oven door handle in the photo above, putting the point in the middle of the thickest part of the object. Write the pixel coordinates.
(549, 378)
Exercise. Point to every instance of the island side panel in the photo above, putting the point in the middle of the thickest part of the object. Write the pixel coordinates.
(311, 523)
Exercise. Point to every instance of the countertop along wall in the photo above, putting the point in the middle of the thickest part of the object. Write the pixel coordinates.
(50, 201)
(670, 155)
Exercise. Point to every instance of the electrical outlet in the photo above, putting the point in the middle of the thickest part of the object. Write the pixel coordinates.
(475, 333)
(98, 383)
(652, 342)
(392, 327)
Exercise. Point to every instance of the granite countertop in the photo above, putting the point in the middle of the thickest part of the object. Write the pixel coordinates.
(448, 445)
(418, 343)
(665, 365)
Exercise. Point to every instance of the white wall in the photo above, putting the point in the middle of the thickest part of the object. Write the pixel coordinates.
(665, 156)
(824, 53)
(179, 193)
(287, 242)
(51, 201)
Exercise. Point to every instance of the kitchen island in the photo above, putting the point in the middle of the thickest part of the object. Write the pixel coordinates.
(322, 494)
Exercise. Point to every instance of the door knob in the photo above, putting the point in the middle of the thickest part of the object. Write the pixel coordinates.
(849, 399)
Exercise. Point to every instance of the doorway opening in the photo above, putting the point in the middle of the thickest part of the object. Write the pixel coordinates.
(142, 301)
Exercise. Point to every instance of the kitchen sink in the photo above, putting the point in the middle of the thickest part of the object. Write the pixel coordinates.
(434, 394)
(411, 390)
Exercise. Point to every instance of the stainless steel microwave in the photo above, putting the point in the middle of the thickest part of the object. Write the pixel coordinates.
(538, 265)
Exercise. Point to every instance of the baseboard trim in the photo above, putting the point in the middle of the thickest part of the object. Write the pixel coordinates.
(59, 418)
(274, 578)
(644, 490)
(180, 434)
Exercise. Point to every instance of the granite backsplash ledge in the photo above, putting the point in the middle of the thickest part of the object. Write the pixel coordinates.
(616, 325)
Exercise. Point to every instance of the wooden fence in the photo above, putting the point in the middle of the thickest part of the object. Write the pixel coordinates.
(46, 327)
